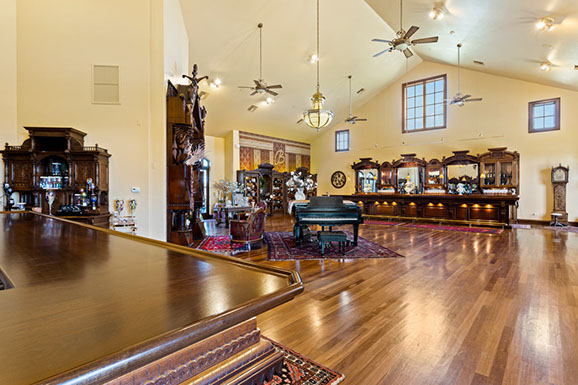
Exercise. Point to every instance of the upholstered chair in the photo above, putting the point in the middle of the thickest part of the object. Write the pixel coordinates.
(262, 206)
(249, 231)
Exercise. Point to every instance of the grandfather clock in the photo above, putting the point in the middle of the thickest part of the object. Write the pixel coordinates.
(559, 182)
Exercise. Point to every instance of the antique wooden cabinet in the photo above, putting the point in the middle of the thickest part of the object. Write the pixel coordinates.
(185, 136)
(56, 159)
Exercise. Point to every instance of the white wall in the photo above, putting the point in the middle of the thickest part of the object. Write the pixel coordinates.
(176, 43)
(57, 43)
(500, 120)
(8, 85)
(215, 153)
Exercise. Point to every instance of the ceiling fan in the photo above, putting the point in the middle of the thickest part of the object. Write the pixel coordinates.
(402, 41)
(459, 99)
(261, 86)
(352, 119)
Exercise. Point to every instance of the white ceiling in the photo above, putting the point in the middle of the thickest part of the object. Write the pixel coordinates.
(500, 33)
(224, 42)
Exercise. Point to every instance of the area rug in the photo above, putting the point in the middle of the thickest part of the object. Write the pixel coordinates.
(221, 244)
(281, 247)
(300, 370)
(381, 223)
(568, 229)
(463, 229)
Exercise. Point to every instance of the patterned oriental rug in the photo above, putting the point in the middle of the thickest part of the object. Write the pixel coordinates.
(281, 247)
(300, 370)
(463, 229)
(222, 244)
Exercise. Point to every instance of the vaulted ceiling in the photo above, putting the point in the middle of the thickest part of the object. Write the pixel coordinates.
(224, 42)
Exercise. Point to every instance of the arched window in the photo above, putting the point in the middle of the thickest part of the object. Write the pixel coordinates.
(205, 185)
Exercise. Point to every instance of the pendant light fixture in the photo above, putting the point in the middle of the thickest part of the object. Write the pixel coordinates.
(317, 117)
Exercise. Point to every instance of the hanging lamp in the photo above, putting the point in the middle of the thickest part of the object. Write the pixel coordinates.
(317, 117)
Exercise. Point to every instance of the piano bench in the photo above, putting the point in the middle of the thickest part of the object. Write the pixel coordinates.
(332, 236)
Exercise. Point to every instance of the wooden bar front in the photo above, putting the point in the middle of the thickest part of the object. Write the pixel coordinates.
(89, 306)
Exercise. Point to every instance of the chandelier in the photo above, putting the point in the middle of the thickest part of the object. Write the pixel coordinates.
(317, 117)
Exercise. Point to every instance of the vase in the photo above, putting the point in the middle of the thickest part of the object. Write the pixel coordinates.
(300, 195)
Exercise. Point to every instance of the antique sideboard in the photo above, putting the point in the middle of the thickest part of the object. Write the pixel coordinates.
(83, 305)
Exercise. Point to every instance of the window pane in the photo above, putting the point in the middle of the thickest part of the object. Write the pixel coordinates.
(410, 124)
(410, 91)
(418, 112)
(538, 123)
(419, 89)
(430, 88)
(429, 122)
(549, 109)
(418, 124)
(439, 109)
(429, 99)
(439, 120)
(549, 122)
(439, 85)
(429, 111)
(539, 110)
(419, 102)
(439, 97)
(411, 102)
(411, 113)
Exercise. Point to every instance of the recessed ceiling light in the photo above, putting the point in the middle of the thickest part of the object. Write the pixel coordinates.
(545, 66)
(360, 91)
(216, 83)
(269, 100)
(481, 63)
(545, 24)
(437, 13)
(252, 108)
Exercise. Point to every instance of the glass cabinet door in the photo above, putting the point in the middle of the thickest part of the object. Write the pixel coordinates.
(386, 178)
(507, 174)
(488, 175)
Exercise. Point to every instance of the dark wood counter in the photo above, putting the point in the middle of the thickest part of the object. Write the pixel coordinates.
(89, 305)
(475, 208)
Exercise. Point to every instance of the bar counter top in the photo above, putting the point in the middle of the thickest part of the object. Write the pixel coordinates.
(89, 305)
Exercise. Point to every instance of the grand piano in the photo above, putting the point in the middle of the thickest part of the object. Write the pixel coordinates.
(327, 212)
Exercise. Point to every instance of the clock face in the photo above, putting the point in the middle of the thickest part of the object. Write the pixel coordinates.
(559, 175)
(338, 179)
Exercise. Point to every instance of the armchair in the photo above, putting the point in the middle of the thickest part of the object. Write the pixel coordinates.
(250, 230)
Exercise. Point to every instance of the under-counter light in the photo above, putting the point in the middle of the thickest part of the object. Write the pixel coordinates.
(545, 24)
(545, 66)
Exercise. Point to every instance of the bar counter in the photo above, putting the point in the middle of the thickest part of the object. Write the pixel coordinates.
(88, 306)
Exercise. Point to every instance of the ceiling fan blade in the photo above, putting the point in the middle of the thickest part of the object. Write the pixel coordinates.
(433, 39)
(410, 32)
(466, 96)
(245, 87)
(384, 51)
(257, 83)
(474, 100)
(254, 93)
(361, 120)
(275, 86)
(407, 52)
(272, 92)
(381, 40)
(353, 117)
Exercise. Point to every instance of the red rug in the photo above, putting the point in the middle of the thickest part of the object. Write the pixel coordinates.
(300, 370)
(281, 247)
(381, 223)
(221, 244)
(463, 229)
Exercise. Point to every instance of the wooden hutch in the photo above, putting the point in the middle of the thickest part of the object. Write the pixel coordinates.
(185, 134)
(481, 189)
(56, 159)
(268, 185)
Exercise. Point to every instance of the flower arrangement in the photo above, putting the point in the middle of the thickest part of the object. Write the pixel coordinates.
(225, 187)
(300, 181)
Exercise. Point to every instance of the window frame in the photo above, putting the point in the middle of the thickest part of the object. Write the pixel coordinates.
(531, 105)
(336, 141)
(404, 86)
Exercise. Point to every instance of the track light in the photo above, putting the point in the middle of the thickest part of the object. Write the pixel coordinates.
(313, 59)
(545, 66)
(437, 13)
(216, 83)
(545, 24)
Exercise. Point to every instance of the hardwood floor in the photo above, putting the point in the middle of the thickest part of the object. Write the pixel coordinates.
(460, 309)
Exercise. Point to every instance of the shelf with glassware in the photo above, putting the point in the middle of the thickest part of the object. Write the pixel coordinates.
(472, 188)
(52, 170)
